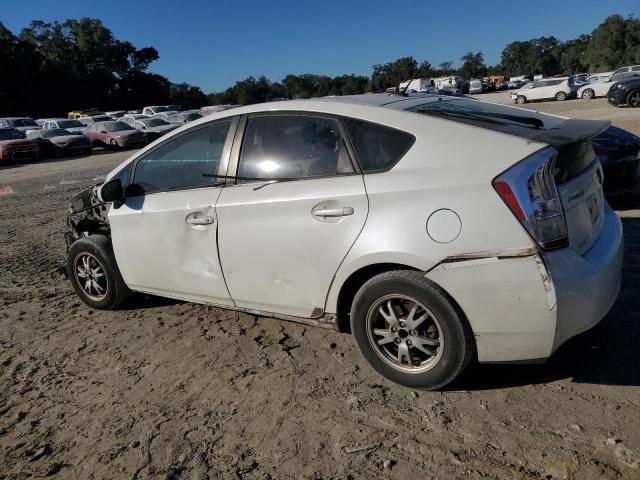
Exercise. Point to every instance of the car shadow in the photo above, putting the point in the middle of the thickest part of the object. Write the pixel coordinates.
(140, 301)
(606, 355)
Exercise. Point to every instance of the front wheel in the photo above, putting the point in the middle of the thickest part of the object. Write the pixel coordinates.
(94, 273)
(521, 100)
(633, 99)
(588, 94)
(410, 331)
(561, 96)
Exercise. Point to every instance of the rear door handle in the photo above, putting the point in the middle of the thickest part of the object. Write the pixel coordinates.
(333, 212)
(199, 221)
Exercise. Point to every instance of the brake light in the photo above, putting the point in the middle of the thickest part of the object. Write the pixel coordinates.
(530, 192)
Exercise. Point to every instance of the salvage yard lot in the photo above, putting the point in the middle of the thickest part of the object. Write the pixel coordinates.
(163, 389)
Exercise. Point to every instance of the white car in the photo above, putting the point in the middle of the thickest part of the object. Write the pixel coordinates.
(152, 110)
(544, 89)
(434, 229)
(624, 72)
(73, 126)
(594, 89)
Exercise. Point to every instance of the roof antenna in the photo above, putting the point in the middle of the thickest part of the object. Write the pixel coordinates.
(404, 92)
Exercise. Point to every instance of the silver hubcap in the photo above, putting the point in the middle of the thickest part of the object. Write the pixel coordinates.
(405, 334)
(90, 276)
(587, 94)
(635, 99)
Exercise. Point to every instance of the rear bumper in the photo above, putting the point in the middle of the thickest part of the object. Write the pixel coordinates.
(522, 308)
(587, 286)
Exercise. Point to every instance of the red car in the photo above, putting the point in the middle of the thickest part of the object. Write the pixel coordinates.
(115, 135)
(14, 146)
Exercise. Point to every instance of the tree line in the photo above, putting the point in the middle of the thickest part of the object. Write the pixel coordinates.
(51, 68)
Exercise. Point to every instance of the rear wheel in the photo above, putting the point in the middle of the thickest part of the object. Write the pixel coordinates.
(113, 143)
(588, 94)
(561, 96)
(94, 274)
(521, 100)
(633, 99)
(410, 331)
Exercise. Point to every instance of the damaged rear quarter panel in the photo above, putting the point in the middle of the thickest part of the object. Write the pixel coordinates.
(509, 302)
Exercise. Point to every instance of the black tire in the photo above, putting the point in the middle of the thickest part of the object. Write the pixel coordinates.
(521, 100)
(113, 143)
(633, 99)
(561, 96)
(98, 251)
(453, 332)
(588, 94)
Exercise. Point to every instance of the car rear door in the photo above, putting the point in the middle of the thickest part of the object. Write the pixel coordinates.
(165, 234)
(290, 218)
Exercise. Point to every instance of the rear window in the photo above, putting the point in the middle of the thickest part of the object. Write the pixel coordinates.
(377, 147)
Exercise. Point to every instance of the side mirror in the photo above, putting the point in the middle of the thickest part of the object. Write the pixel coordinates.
(112, 192)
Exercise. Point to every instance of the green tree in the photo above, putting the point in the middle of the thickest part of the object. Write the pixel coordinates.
(473, 65)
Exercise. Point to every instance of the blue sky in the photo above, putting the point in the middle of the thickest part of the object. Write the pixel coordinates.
(213, 43)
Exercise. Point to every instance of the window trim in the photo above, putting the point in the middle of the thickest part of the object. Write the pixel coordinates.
(236, 150)
(380, 170)
(224, 157)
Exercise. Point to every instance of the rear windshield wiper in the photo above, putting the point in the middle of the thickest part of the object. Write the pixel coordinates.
(487, 116)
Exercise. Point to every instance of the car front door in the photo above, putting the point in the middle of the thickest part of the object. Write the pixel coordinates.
(290, 218)
(165, 234)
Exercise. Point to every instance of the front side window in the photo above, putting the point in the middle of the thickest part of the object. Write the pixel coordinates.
(295, 146)
(377, 147)
(182, 163)
(636, 68)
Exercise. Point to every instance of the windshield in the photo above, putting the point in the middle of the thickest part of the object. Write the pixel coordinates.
(69, 124)
(23, 122)
(10, 134)
(160, 109)
(56, 132)
(153, 122)
(115, 126)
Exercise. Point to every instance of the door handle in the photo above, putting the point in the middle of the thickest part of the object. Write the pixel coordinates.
(332, 212)
(199, 221)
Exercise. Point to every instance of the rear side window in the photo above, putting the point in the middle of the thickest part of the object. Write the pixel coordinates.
(377, 147)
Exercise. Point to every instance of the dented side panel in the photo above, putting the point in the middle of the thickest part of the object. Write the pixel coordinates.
(510, 303)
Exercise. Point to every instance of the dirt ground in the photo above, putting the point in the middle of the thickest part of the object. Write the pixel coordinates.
(170, 390)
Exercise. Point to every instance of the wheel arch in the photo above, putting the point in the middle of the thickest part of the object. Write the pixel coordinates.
(352, 284)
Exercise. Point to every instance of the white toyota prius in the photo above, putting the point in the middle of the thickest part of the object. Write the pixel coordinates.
(433, 229)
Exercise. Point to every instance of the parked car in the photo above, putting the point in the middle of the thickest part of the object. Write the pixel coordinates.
(516, 83)
(24, 124)
(152, 110)
(619, 153)
(183, 117)
(153, 127)
(15, 147)
(625, 92)
(602, 77)
(502, 85)
(625, 72)
(475, 86)
(115, 134)
(164, 115)
(545, 89)
(594, 89)
(116, 114)
(86, 121)
(503, 264)
(73, 126)
(55, 142)
(77, 114)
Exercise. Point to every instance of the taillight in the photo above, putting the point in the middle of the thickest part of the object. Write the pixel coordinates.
(530, 192)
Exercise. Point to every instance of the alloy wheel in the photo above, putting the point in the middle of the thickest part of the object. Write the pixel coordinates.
(90, 276)
(634, 99)
(405, 334)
